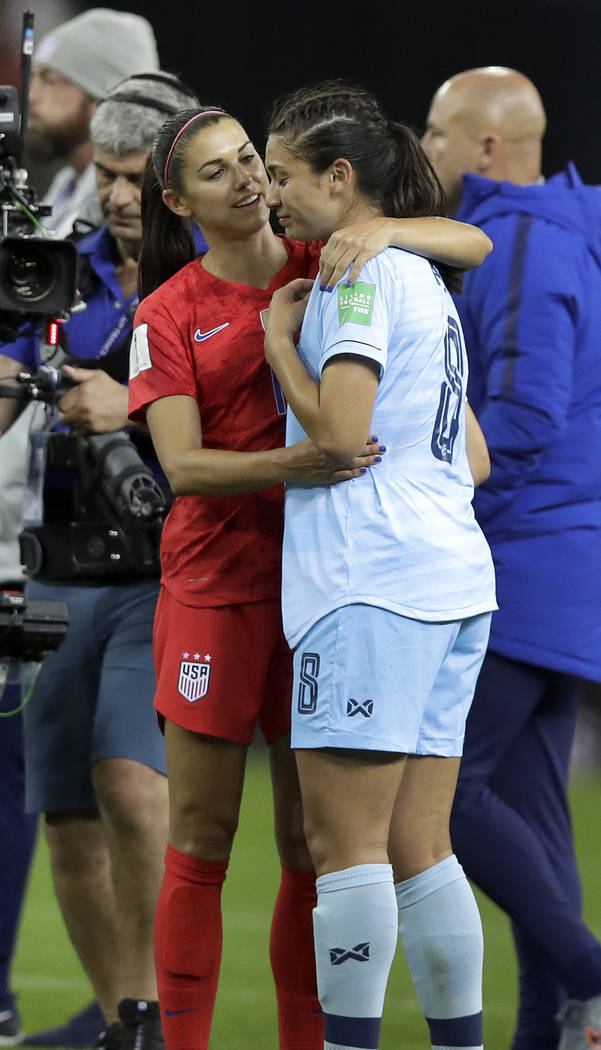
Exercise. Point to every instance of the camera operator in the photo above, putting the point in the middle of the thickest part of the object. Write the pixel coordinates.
(74, 65)
(94, 754)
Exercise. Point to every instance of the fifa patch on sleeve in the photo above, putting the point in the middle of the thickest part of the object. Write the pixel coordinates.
(356, 304)
(139, 352)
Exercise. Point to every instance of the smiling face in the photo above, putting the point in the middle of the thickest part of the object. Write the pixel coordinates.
(303, 200)
(222, 183)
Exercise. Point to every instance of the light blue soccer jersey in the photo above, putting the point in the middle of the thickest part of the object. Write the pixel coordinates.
(402, 536)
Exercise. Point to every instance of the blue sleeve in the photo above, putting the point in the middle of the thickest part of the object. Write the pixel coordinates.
(24, 350)
(521, 311)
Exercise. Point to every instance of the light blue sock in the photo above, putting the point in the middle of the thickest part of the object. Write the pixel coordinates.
(441, 934)
(355, 925)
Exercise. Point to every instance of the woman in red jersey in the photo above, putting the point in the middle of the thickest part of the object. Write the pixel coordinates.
(215, 412)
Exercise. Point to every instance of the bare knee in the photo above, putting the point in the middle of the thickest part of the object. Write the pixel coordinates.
(77, 842)
(206, 778)
(202, 832)
(132, 797)
(333, 847)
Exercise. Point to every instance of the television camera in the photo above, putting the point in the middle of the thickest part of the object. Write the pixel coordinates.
(107, 522)
(37, 275)
(28, 631)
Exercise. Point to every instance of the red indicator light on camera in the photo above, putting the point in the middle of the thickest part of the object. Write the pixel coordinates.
(52, 334)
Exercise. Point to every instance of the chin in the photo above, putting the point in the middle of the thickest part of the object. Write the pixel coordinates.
(299, 231)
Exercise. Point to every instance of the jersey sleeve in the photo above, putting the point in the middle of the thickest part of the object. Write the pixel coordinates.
(527, 339)
(359, 319)
(160, 364)
(23, 349)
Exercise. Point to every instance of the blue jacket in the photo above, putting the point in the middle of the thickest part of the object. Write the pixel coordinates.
(532, 320)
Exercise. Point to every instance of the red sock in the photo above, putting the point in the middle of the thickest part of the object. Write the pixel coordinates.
(293, 963)
(187, 947)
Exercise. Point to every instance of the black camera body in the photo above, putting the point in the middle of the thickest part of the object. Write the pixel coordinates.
(100, 511)
(38, 276)
(30, 629)
(103, 512)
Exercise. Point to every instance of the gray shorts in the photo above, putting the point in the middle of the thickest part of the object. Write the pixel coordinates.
(93, 698)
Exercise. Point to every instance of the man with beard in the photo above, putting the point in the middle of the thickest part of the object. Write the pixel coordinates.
(94, 754)
(74, 66)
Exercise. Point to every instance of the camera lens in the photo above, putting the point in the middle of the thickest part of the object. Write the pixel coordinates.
(29, 274)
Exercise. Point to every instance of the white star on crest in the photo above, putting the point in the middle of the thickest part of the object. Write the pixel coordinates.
(186, 656)
(197, 656)
(207, 658)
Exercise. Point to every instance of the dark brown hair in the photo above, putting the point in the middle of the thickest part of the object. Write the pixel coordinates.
(334, 119)
(167, 242)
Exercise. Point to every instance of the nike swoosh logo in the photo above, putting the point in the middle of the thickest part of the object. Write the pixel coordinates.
(201, 336)
(174, 1013)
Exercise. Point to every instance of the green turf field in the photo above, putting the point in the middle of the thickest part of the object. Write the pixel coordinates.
(51, 985)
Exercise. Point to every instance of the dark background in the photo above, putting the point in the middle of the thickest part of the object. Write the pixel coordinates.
(242, 55)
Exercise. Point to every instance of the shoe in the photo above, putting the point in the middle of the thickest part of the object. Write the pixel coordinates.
(11, 1033)
(140, 1024)
(111, 1038)
(580, 1022)
(79, 1032)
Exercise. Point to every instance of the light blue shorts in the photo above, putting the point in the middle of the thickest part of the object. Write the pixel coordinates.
(367, 678)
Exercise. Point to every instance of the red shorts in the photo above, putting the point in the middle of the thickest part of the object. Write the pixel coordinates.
(222, 670)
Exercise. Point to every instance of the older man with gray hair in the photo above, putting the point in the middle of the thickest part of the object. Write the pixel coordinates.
(94, 754)
(74, 65)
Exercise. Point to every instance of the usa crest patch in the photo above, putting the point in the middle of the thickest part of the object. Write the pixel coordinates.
(194, 676)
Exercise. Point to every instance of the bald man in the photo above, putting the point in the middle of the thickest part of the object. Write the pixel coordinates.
(532, 317)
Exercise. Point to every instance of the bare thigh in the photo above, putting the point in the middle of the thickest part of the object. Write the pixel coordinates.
(348, 800)
(206, 778)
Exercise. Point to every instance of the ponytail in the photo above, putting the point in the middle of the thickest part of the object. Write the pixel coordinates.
(167, 242)
(413, 189)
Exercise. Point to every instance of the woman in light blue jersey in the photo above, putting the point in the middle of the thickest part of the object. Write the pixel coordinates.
(388, 581)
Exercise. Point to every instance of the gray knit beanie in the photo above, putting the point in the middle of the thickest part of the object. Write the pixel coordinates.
(98, 48)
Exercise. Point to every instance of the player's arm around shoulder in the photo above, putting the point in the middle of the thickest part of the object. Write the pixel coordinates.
(447, 241)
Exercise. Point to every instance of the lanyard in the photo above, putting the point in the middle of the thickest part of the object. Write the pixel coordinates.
(125, 320)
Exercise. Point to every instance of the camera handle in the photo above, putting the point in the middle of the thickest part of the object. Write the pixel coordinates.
(48, 384)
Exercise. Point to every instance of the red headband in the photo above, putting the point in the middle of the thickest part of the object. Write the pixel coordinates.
(205, 113)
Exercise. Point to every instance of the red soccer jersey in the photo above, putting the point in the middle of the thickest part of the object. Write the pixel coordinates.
(201, 336)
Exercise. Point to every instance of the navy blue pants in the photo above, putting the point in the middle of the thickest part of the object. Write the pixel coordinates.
(512, 833)
(17, 837)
